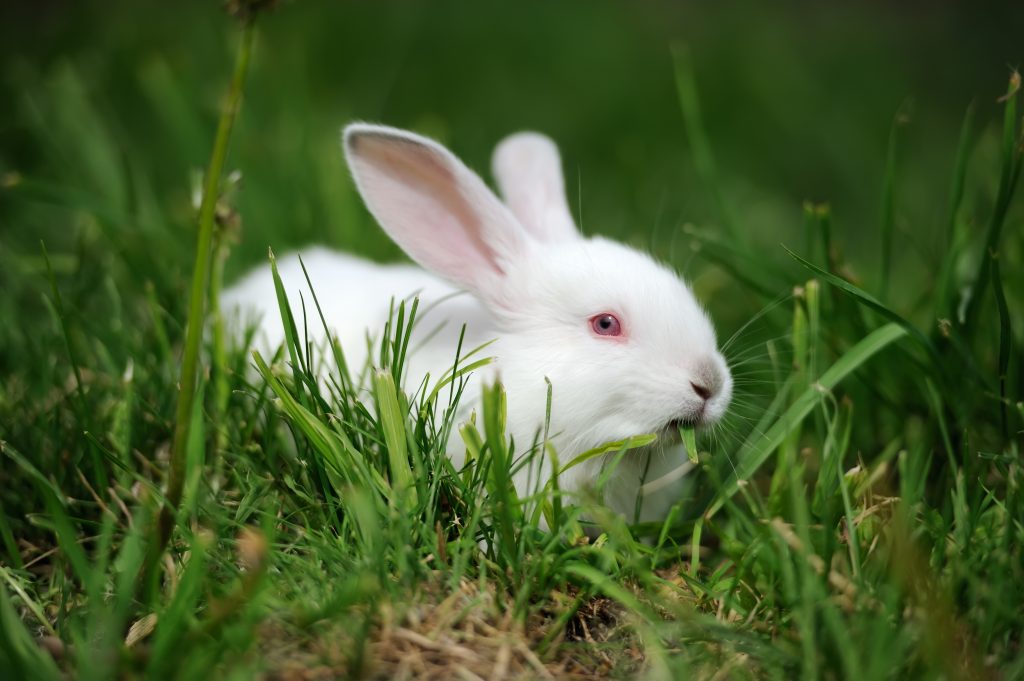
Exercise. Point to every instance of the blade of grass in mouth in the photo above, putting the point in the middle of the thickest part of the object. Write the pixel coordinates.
(689, 436)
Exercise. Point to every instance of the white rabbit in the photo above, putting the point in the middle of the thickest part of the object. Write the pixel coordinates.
(625, 344)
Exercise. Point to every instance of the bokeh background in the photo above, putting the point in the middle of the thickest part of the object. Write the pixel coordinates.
(108, 108)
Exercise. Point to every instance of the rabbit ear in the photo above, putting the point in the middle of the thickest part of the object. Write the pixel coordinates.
(528, 170)
(438, 210)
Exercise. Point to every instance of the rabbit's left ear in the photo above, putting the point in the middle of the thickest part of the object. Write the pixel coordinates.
(528, 170)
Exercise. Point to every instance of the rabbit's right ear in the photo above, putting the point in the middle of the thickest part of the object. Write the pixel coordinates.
(528, 170)
(439, 211)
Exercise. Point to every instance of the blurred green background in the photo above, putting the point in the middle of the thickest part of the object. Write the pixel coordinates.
(112, 106)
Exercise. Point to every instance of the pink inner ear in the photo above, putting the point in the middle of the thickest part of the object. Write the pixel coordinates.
(430, 204)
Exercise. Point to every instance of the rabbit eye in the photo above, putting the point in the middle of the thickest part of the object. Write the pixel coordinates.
(606, 325)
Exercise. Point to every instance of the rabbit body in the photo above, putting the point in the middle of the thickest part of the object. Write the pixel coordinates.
(355, 296)
(625, 345)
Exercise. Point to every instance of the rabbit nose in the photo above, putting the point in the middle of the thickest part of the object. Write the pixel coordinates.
(702, 391)
(707, 380)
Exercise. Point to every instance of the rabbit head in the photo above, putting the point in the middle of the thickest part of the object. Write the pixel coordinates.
(625, 344)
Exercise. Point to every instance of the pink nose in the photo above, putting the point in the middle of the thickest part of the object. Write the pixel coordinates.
(702, 391)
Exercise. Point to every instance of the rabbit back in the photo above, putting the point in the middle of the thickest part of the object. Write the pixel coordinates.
(356, 297)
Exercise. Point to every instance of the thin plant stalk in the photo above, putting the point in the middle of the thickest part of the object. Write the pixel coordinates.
(198, 297)
(703, 158)
(1011, 165)
(888, 205)
(222, 389)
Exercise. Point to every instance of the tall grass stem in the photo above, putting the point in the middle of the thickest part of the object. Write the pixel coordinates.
(198, 297)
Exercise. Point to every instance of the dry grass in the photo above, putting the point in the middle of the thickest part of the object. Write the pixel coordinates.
(465, 633)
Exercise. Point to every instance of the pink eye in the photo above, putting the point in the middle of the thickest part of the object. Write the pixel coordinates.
(606, 325)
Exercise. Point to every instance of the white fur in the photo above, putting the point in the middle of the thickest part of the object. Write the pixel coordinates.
(533, 284)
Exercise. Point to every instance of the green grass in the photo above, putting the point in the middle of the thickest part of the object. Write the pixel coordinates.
(858, 515)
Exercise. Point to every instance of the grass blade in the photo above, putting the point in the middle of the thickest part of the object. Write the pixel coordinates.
(198, 297)
(756, 450)
(1005, 341)
(392, 423)
(689, 437)
(953, 246)
(888, 203)
(21, 657)
(865, 298)
(617, 446)
(1009, 173)
(703, 159)
(175, 621)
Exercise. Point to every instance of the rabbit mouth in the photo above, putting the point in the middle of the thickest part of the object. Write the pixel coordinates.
(695, 421)
(699, 418)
